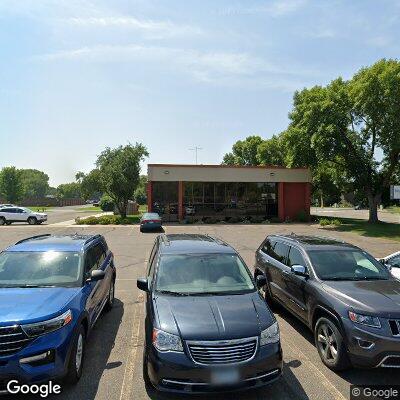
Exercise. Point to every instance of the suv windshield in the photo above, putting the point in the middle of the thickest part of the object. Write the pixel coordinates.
(346, 265)
(30, 269)
(203, 274)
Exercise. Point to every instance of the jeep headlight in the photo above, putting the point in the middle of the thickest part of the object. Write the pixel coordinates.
(40, 328)
(270, 335)
(364, 319)
(164, 341)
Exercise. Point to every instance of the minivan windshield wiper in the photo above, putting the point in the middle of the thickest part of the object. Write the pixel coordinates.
(172, 293)
(26, 286)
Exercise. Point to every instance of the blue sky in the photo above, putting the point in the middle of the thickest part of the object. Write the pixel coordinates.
(77, 76)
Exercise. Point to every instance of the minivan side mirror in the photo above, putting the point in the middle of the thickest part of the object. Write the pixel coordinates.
(96, 275)
(299, 270)
(261, 281)
(142, 284)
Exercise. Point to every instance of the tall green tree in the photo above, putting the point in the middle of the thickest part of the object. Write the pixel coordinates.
(35, 183)
(120, 173)
(272, 151)
(70, 190)
(244, 152)
(350, 123)
(141, 192)
(11, 184)
(91, 184)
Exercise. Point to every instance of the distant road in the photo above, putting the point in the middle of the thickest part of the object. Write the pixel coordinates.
(384, 216)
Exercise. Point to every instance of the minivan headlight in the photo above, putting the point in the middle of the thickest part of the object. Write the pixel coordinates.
(364, 319)
(270, 335)
(40, 328)
(164, 341)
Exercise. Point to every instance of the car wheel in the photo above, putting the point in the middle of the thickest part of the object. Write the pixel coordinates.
(2, 221)
(76, 358)
(330, 345)
(8, 222)
(145, 372)
(32, 221)
(111, 296)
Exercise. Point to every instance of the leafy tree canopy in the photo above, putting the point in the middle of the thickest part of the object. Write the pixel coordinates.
(11, 184)
(35, 183)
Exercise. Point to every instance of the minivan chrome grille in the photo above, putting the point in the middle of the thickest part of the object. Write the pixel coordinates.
(223, 351)
(12, 340)
(395, 326)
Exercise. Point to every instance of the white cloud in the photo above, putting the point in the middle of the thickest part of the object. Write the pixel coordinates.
(147, 26)
(222, 68)
(276, 8)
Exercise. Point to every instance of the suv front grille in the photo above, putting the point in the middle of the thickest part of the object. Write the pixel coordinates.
(224, 351)
(12, 340)
(395, 327)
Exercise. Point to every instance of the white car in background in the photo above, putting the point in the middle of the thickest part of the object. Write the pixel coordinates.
(392, 261)
(8, 215)
(6, 205)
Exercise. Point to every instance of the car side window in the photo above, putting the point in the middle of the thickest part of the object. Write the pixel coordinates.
(95, 257)
(395, 262)
(295, 258)
(280, 252)
(268, 247)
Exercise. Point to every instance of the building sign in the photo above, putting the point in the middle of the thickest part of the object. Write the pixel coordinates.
(394, 192)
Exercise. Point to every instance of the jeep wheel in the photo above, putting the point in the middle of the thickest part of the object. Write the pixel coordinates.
(2, 221)
(330, 345)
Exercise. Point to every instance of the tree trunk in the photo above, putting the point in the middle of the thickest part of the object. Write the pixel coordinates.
(322, 201)
(373, 202)
(122, 209)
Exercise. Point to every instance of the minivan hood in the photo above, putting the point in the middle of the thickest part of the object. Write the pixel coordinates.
(375, 297)
(32, 304)
(213, 317)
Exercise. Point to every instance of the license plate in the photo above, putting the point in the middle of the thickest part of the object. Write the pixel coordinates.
(225, 376)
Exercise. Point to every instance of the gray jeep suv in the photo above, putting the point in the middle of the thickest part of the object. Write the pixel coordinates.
(347, 297)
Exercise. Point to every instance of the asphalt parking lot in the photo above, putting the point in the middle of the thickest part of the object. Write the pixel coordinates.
(113, 365)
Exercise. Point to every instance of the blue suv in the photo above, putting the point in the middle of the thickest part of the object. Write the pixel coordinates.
(52, 290)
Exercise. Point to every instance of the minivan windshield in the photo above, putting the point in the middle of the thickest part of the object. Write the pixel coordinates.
(38, 269)
(203, 274)
(353, 264)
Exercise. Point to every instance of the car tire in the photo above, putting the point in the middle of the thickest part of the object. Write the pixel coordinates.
(32, 221)
(8, 223)
(111, 296)
(330, 345)
(76, 358)
(2, 221)
(145, 372)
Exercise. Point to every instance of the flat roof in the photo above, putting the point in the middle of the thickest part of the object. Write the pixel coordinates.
(224, 166)
(226, 173)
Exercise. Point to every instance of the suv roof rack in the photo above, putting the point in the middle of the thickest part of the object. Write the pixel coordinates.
(33, 238)
(165, 239)
(88, 240)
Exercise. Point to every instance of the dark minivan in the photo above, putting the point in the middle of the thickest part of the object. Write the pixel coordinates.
(348, 298)
(207, 328)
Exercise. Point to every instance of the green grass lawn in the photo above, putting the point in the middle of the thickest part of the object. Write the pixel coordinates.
(40, 208)
(363, 228)
(88, 209)
(394, 209)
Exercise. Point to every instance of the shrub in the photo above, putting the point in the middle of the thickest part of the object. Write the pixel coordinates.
(210, 220)
(108, 220)
(107, 203)
(233, 220)
(275, 220)
(336, 222)
(257, 219)
(324, 222)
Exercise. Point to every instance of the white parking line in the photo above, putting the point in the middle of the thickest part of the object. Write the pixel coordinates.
(129, 372)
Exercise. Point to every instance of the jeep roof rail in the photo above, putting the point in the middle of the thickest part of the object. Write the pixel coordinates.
(88, 240)
(33, 238)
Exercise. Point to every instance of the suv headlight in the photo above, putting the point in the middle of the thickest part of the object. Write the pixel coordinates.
(164, 341)
(40, 328)
(270, 335)
(364, 319)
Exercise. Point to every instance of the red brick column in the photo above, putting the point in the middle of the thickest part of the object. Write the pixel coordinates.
(149, 190)
(307, 200)
(180, 200)
(281, 201)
